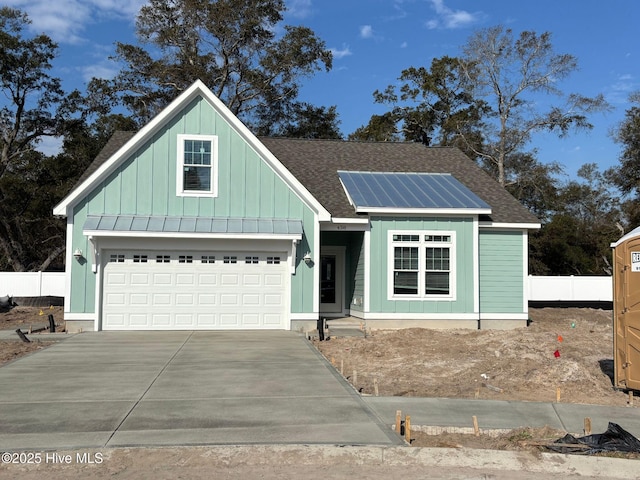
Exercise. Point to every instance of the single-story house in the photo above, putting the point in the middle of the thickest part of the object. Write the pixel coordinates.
(195, 223)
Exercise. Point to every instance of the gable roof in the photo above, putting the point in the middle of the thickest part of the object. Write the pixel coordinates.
(316, 164)
(123, 144)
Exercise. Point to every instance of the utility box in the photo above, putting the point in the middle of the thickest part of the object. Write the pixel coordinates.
(626, 311)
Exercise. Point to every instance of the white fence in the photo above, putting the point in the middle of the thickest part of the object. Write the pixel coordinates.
(32, 284)
(570, 289)
(541, 289)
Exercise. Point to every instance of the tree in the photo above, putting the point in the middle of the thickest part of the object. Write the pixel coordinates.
(587, 219)
(508, 74)
(381, 128)
(231, 45)
(627, 175)
(29, 236)
(307, 121)
(429, 106)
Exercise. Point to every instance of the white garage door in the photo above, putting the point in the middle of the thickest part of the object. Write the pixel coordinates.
(189, 291)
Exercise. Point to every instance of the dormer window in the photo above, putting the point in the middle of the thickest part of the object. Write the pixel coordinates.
(197, 172)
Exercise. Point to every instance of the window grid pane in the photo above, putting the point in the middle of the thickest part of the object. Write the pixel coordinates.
(437, 258)
(405, 258)
(197, 165)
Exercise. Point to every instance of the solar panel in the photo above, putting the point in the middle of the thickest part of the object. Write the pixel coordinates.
(370, 191)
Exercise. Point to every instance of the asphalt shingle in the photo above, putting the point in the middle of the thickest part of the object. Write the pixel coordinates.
(315, 163)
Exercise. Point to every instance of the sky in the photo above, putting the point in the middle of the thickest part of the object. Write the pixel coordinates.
(374, 40)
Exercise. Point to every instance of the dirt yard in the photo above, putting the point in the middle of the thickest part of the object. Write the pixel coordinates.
(566, 348)
(26, 319)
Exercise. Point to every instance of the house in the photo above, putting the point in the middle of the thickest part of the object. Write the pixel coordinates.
(195, 223)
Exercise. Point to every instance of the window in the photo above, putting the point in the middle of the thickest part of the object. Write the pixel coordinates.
(185, 258)
(197, 165)
(250, 259)
(422, 265)
(436, 281)
(229, 259)
(208, 259)
(116, 257)
(273, 260)
(163, 258)
(405, 270)
(139, 259)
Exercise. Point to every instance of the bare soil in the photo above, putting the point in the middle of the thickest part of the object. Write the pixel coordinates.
(27, 319)
(566, 348)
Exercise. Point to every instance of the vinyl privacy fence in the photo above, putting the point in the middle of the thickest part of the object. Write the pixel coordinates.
(541, 289)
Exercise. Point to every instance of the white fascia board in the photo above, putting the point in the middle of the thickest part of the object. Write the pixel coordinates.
(198, 88)
(68, 265)
(515, 226)
(525, 270)
(346, 192)
(277, 166)
(364, 221)
(476, 266)
(141, 136)
(185, 235)
(425, 211)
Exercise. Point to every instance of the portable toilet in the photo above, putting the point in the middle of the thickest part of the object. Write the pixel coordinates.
(626, 311)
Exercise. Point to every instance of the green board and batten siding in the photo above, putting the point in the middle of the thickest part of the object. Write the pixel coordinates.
(145, 184)
(379, 277)
(501, 271)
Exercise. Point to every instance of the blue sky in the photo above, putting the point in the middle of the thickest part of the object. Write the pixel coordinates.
(374, 40)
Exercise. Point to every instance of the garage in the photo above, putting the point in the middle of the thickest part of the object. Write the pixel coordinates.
(194, 290)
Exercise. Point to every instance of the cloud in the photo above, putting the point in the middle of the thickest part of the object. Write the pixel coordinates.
(65, 21)
(103, 70)
(451, 19)
(338, 54)
(299, 8)
(366, 31)
(621, 88)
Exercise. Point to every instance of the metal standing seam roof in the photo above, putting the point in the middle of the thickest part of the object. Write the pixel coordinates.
(409, 190)
(167, 224)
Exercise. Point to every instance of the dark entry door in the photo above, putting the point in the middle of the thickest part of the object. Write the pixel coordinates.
(331, 273)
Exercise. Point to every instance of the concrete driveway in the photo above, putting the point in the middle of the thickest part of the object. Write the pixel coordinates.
(109, 389)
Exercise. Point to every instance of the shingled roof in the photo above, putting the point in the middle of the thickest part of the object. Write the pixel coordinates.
(315, 163)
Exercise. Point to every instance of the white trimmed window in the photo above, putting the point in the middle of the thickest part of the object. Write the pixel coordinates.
(197, 170)
(422, 265)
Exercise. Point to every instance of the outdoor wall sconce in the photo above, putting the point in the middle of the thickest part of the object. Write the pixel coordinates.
(77, 254)
(307, 258)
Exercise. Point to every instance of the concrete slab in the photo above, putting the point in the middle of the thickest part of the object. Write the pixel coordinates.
(492, 414)
(447, 412)
(573, 417)
(173, 388)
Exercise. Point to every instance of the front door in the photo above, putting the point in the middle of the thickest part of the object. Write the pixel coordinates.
(331, 280)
